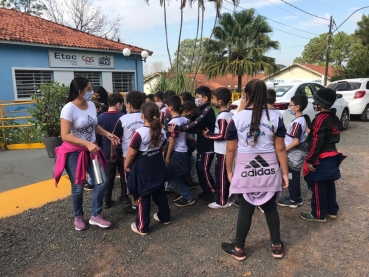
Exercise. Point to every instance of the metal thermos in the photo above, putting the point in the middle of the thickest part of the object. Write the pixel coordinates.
(97, 172)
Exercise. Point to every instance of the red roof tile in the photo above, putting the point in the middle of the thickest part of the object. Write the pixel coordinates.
(225, 81)
(319, 69)
(17, 26)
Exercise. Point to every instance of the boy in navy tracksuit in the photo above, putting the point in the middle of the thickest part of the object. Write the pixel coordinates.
(205, 146)
(321, 167)
(107, 121)
(220, 99)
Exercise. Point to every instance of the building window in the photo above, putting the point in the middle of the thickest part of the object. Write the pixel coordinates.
(122, 81)
(29, 81)
(93, 76)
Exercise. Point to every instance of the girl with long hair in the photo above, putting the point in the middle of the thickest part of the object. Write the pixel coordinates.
(147, 169)
(260, 167)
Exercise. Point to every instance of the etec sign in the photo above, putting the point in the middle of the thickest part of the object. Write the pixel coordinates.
(80, 59)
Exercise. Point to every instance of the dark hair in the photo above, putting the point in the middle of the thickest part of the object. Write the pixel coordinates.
(175, 102)
(77, 84)
(144, 95)
(103, 95)
(204, 91)
(308, 121)
(271, 96)
(136, 99)
(168, 94)
(97, 104)
(152, 114)
(151, 97)
(115, 98)
(103, 108)
(186, 96)
(300, 100)
(189, 106)
(256, 91)
(160, 95)
(223, 94)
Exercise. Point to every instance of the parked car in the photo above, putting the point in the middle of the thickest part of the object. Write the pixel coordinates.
(284, 93)
(356, 93)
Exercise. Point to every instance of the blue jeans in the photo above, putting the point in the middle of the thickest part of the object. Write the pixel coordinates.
(77, 190)
(180, 185)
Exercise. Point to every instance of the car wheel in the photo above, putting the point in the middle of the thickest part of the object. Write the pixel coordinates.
(345, 119)
(365, 114)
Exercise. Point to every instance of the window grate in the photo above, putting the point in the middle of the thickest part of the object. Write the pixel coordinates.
(122, 81)
(29, 81)
(93, 76)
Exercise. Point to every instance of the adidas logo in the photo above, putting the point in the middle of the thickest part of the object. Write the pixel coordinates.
(258, 168)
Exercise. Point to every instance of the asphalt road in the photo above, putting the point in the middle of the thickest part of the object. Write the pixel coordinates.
(43, 242)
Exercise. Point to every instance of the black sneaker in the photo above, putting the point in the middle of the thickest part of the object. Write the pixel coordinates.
(278, 250)
(130, 209)
(108, 204)
(183, 202)
(230, 249)
(87, 186)
(287, 202)
(309, 217)
(177, 197)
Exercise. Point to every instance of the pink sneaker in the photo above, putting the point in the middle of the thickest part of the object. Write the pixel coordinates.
(99, 221)
(79, 223)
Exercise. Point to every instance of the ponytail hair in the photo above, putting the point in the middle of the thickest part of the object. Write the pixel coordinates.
(256, 91)
(308, 121)
(152, 114)
(77, 84)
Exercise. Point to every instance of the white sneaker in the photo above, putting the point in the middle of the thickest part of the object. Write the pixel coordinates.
(214, 205)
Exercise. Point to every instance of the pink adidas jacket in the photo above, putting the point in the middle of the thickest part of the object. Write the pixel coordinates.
(61, 154)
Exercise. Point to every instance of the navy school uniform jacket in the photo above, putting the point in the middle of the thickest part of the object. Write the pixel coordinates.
(108, 121)
(206, 119)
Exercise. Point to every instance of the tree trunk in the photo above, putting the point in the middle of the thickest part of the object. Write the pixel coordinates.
(197, 35)
(179, 39)
(239, 83)
(166, 33)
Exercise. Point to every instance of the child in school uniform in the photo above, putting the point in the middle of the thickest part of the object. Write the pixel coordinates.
(176, 157)
(147, 169)
(321, 168)
(220, 100)
(205, 146)
(271, 98)
(295, 145)
(125, 127)
(259, 171)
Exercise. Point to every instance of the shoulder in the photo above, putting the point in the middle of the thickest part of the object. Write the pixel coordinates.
(68, 106)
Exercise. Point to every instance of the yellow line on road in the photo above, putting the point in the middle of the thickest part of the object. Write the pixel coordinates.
(18, 200)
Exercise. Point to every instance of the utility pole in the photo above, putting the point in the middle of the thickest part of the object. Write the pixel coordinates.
(328, 50)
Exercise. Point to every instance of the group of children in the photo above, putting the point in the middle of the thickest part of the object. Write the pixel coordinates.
(255, 155)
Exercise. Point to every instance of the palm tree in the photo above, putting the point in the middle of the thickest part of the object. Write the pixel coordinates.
(163, 3)
(241, 41)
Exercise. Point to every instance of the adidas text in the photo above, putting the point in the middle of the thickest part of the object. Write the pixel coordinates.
(258, 172)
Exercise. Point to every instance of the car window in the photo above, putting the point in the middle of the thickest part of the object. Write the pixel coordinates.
(367, 85)
(345, 86)
(316, 86)
(281, 90)
(305, 90)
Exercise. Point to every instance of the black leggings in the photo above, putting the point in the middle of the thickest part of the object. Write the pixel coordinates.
(245, 213)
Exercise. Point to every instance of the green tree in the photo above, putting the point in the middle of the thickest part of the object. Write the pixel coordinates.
(241, 41)
(362, 32)
(189, 56)
(34, 7)
(315, 51)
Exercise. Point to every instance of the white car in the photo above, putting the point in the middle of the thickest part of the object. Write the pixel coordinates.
(284, 93)
(356, 93)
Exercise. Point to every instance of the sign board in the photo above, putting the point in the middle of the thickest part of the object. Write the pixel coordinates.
(279, 81)
(80, 59)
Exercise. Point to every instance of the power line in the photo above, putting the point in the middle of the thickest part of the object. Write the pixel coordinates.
(294, 13)
(278, 23)
(304, 11)
(291, 27)
(349, 17)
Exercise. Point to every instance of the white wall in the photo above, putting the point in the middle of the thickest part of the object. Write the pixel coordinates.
(107, 81)
(63, 77)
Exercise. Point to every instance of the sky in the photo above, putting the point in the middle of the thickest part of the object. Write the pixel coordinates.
(143, 25)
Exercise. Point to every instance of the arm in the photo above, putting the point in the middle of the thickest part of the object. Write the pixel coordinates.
(230, 154)
(281, 152)
(65, 132)
(198, 122)
(170, 149)
(118, 131)
(222, 123)
(293, 144)
(131, 154)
